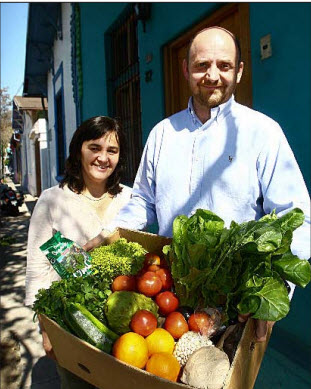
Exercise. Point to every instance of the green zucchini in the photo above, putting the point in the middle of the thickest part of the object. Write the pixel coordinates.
(87, 327)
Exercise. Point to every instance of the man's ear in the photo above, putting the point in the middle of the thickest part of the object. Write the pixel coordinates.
(185, 69)
(240, 72)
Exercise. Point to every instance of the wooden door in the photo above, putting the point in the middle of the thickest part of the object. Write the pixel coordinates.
(235, 18)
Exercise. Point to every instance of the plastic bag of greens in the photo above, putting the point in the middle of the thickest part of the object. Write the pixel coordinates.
(67, 258)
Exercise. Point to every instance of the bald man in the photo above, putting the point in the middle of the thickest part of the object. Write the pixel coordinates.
(212, 70)
(216, 154)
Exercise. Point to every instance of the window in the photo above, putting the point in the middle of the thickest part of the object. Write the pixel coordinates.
(123, 81)
(59, 122)
(60, 140)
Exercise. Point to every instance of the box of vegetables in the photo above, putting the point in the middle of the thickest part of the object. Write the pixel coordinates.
(155, 312)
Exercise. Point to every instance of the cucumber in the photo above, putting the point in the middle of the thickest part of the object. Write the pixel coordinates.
(87, 327)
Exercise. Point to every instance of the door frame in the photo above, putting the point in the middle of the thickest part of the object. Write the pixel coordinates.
(171, 83)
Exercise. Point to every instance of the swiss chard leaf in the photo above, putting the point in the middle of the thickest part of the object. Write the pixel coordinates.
(290, 221)
(267, 239)
(266, 298)
(293, 269)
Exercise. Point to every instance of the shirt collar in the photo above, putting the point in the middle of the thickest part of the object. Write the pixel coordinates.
(216, 112)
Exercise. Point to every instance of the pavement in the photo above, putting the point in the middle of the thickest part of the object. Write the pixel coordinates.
(24, 364)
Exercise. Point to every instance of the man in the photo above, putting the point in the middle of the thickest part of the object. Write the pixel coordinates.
(216, 155)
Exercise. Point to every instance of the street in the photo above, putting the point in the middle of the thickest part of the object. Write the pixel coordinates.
(23, 361)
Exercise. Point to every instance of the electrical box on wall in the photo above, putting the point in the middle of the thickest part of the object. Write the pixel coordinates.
(265, 46)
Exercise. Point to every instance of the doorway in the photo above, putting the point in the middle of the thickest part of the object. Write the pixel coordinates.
(235, 18)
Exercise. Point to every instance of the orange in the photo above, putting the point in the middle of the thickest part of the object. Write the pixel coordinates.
(160, 341)
(132, 349)
(164, 365)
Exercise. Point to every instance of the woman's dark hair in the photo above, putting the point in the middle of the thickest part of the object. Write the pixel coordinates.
(93, 128)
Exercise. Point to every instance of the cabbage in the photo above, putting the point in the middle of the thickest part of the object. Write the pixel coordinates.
(121, 306)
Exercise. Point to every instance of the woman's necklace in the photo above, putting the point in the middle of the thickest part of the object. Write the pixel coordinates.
(95, 199)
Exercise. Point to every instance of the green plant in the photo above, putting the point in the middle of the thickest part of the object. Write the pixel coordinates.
(88, 291)
(119, 258)
(243, 267)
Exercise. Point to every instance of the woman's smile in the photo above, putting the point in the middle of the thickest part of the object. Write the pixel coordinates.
(99, 158)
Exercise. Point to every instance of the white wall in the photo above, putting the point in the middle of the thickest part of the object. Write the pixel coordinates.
(31, 133)
(28, 157)
(62, 55)
(44, 155)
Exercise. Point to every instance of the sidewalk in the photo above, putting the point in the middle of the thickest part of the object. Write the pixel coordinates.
(23, 361)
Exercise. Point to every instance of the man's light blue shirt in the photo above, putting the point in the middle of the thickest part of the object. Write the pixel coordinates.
(238, 164)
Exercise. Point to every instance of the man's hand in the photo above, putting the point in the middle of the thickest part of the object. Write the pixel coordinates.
(262, 326)
(97, 241)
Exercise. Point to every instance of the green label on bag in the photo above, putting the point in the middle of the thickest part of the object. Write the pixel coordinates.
(67, 258)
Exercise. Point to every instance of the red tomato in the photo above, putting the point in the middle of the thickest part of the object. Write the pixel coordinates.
(149, 284)
(143, 322)
(153, 268)
(166, 278)
(127, 283)
(176, 324)
(152, 259)
(167, 302)
(200, 322)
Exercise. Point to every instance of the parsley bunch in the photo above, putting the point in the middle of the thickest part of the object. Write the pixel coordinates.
(89, 291)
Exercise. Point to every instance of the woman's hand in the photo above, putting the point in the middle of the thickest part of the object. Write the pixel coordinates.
(46, 342)
(261, 329)
(95, 242)
(47, 346)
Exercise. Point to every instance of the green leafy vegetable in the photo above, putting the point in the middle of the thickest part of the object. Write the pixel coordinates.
(119, 258)
(89, 291)
(293, 269)
(242, 267)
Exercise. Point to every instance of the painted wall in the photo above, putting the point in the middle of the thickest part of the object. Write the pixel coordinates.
(281, 89)
(44, 163)
(96, 18)
(281, 83)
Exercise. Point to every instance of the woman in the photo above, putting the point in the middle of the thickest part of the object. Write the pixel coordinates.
(89, 196)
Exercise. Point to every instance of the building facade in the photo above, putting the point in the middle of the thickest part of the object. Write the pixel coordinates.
(124, 60)
(31, 162)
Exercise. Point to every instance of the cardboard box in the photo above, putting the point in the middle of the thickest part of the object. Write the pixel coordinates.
(106, 372)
